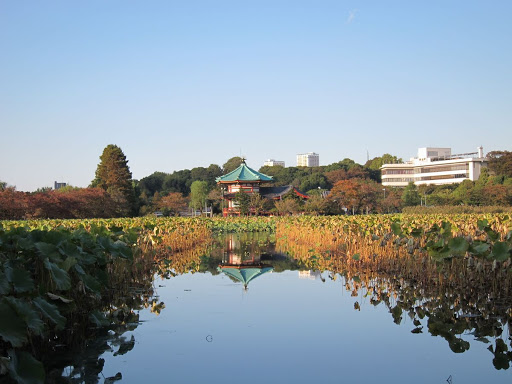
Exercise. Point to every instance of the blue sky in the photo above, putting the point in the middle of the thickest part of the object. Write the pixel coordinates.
(181, 84)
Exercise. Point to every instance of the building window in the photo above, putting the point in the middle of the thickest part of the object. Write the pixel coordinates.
(448, 168)
(397, 172)
(398, 180)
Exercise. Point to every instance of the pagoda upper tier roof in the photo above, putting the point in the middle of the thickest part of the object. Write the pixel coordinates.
(243, 173)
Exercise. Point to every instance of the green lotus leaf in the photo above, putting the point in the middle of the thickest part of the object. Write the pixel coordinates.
(479, 247)
(59, 276)
(492, 234)
(482, 224)
(91, 283)
(105, 243)
(47, 250)
(12, 327)
(25, 369)
(4, 284)
(500, 251)
(25, 244)
(20, 279)
(68, 263)
(99, 319)
(26, 312)
(395, 227)
(417, 232)
(446, 229)
(50, 311)
(458, 245)
(122, 250)
(440, 255)
(79, 269)
(69, 249)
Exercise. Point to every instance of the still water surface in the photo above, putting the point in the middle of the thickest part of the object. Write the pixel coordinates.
(285, 325)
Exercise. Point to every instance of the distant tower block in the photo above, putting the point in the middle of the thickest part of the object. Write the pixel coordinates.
(273, 163)
(57, 185)
(309, 159)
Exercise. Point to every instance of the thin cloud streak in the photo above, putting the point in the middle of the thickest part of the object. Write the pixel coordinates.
(351, 15)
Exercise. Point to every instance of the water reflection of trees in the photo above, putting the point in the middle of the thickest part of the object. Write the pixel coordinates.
(455, 301)
(76, 353)
(73, 355)
(456, 298)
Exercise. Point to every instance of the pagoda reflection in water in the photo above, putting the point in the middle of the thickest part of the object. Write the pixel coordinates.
(241, 261)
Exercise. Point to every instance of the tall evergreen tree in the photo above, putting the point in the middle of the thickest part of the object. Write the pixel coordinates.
(114, 176)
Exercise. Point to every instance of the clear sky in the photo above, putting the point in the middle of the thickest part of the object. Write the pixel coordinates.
(181, 84)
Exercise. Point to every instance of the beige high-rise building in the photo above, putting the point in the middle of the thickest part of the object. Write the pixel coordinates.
(309, 159)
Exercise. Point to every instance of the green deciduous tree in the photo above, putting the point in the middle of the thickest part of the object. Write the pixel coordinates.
(198, 194)
(313, 181)
(500, 163)
(231, 164)
(386, 158)
(113, 175)
(410, 196)
(243, 202)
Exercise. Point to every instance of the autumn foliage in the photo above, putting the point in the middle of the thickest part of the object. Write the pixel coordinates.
(72, 204)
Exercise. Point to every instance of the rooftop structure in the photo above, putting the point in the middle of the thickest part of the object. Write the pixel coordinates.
(243, 174)
(435, 166)
(57, 185)
(309, 159)
(273, 163)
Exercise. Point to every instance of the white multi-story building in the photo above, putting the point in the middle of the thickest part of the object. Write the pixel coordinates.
(435, 166)
(272, 163)
(309, 159)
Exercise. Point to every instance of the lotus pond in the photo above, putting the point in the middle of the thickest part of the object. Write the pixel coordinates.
(275, 306)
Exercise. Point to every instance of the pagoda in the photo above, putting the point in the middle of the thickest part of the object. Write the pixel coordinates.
(243, 179)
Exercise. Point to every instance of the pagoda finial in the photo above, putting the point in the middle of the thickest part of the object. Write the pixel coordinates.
(243, 159)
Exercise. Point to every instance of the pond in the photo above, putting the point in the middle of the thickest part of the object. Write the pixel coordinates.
(248, 312)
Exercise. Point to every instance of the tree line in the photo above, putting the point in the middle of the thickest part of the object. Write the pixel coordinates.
(344, 187)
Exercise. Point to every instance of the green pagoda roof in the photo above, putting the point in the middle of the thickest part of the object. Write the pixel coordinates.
(243, 173)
